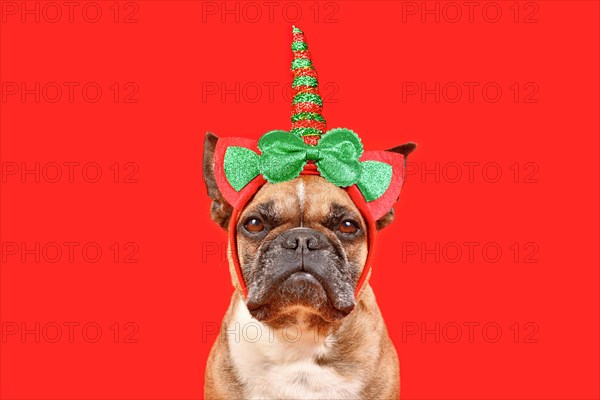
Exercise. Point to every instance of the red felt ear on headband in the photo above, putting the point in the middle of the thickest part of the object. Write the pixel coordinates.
(234, 198)
(379, 207)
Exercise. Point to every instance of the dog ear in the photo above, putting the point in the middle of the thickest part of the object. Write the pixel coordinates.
(404, 149)
(220, 210)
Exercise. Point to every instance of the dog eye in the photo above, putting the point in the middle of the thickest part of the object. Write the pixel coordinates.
(348, 226)
(254, 225)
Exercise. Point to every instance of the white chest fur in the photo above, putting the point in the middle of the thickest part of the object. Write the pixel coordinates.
(280, 364)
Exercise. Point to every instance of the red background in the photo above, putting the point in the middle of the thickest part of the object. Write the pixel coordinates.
(171, 58)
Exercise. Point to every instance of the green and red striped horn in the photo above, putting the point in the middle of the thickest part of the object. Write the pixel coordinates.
(307, 106)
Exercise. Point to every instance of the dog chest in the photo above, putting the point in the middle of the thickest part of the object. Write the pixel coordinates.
(281, 365)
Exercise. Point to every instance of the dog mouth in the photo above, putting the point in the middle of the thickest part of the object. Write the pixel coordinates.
(302, 277)
(301, 288)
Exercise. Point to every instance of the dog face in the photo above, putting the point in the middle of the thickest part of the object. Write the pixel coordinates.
(301, 243)
(302, 246)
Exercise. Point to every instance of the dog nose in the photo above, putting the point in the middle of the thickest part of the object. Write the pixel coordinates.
(303, 239)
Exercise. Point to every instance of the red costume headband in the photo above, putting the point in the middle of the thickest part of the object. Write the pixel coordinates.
(373, 179)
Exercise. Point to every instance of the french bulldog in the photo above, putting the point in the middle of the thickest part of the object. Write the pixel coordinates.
(300, 333)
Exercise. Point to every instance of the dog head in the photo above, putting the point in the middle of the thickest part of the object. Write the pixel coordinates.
(301, 244)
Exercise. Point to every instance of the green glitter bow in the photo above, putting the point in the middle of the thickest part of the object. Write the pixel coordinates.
(284, 156)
